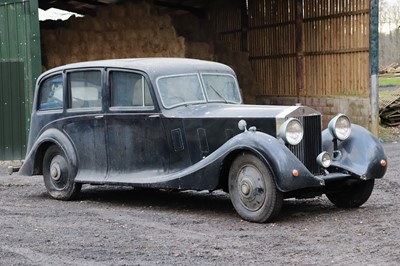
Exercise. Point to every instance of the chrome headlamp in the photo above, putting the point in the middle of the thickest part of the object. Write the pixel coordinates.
(324, 159)
(291, 131)
(340, 127)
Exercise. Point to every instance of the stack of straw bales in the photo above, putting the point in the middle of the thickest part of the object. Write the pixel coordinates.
(240, 63)
(118, 31)
(134, 29)
(199, 50)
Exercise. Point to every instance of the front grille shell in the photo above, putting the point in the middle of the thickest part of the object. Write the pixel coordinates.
(311, 145)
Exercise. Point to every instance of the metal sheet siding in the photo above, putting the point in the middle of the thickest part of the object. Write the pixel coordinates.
(19, 66)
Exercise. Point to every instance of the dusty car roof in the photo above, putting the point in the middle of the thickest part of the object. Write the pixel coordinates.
(152, 66)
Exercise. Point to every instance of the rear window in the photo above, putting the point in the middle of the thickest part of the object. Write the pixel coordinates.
(51, 93)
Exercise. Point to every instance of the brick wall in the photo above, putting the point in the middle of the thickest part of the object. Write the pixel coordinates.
(358, 109)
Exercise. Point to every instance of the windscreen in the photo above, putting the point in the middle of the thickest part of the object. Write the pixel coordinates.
(221, 88)
(193, 89)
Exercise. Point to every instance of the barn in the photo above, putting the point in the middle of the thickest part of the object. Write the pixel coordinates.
(320, 53)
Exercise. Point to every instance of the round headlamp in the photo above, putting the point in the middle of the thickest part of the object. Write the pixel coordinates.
(291, 131)
(340, 127)
(324, 159)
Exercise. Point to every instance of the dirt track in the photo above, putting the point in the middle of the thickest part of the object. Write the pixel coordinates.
(123, 226)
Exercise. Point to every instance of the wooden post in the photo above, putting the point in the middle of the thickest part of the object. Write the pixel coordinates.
(244, 25)
(299, 50)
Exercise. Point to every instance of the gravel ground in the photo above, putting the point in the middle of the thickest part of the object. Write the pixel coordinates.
(125, 226)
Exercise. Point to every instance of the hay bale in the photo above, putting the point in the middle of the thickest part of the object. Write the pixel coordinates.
(199, 50)
(118, 31)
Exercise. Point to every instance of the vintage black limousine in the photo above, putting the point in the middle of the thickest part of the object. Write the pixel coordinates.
(181, 124)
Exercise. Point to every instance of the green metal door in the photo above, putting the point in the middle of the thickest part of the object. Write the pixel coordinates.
(20, 65)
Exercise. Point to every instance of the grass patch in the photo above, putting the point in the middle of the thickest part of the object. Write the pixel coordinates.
(389, 81)
(389, 134)
(383, 93)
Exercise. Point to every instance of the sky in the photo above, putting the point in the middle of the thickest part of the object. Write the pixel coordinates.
(54, 14)
(393, 2)
(393, 7)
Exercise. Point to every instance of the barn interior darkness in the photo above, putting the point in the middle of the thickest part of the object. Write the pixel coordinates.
(315, 53)
(130, 29)
(323, 54)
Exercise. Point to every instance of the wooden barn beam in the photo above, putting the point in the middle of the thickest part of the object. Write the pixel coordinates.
(299, 50)
(245, 25)
(199, 12)
(83, 7)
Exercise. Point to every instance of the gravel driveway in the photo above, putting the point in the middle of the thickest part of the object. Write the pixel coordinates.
(125, 226)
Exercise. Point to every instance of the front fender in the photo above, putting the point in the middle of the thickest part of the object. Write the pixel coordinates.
(33, 159)
(361, 154)
(281, 161)
(205, 173)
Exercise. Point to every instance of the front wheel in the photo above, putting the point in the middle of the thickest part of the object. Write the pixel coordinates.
(252, 189)
(354, 195)
(57, 175)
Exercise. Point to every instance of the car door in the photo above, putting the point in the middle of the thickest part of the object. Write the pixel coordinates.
(85, 124)
(137, 147)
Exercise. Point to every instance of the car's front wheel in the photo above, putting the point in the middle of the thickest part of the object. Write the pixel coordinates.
(353, 195)
(252, 189)
(57, 175)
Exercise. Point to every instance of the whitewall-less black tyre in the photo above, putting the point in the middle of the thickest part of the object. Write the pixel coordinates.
(252, 189)
(57, 175)
(354, 195)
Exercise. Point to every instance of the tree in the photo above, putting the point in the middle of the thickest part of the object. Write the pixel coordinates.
(389, 36)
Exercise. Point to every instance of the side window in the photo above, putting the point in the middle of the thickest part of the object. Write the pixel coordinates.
(85, 89)
(129, 90)
(51, 93)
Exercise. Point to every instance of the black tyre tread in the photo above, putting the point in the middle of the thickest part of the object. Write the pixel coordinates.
(72, 189)
(269, 212)
(353, 197)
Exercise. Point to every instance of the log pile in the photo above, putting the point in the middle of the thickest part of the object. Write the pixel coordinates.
(389, 108)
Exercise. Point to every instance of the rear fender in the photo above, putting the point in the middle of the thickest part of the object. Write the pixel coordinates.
(34, 159)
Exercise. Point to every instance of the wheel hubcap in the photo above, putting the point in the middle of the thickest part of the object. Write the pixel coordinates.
(55, 171)
(245, 189)
(251, 188)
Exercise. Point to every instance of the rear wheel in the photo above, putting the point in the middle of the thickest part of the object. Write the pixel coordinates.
(252, 189)
(354, 195)
(57, 175)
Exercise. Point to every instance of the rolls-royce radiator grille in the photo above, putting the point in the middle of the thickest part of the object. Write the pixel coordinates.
(311, 145)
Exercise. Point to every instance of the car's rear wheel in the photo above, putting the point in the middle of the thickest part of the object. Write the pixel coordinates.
(252, 189)
(354, 195)
(57, 175)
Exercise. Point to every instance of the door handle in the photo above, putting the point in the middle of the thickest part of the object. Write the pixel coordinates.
(99, 117)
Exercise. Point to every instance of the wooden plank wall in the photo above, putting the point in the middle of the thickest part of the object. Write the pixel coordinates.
(227, 24)
(335, 45)
(272, 49)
